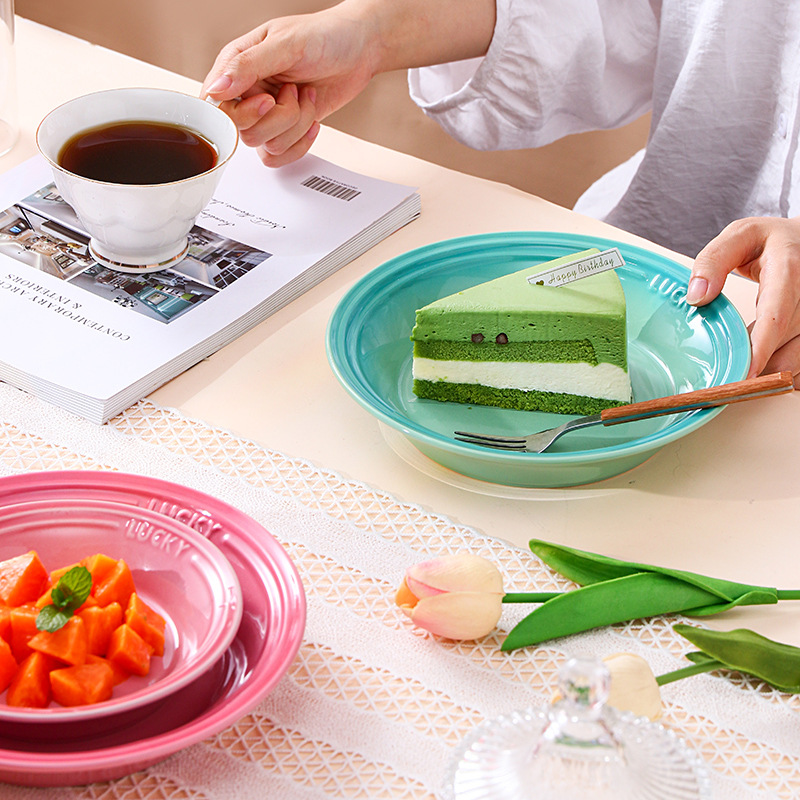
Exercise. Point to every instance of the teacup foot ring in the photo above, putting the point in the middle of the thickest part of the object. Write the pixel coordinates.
(120, 266)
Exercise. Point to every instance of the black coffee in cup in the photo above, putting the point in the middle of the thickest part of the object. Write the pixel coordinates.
(133, 152)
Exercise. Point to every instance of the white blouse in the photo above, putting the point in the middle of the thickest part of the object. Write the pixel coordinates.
(722, 78)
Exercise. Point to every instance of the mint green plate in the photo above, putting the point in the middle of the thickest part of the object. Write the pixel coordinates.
(673, 347)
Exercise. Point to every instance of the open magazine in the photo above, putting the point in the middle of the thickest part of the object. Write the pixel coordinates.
(94, 341)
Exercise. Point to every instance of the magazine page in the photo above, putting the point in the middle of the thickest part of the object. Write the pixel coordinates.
(71, 326)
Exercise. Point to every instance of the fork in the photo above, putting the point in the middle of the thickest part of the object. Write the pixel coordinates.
(750, 389)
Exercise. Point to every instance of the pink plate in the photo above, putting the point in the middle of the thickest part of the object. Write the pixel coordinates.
(267, 641)
(176, 571)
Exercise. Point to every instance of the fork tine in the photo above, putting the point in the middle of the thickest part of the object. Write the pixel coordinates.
(490, 439)
(514, 446)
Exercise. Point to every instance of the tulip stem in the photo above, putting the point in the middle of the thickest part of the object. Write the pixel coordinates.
(543, 597)
(530, 597)
(686, 672)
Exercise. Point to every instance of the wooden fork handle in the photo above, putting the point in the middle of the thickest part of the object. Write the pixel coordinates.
(762, 386)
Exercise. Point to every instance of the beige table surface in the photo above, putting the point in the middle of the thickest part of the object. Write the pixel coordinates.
(725, 500)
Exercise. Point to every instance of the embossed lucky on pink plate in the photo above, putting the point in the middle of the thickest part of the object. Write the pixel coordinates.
(267, 641)
(176, 571)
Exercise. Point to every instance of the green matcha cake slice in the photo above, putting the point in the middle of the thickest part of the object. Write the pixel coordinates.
(515, 344)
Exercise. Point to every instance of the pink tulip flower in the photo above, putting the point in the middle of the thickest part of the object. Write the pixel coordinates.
(455, 596)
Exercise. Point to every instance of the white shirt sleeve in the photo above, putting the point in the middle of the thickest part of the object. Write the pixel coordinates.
(554, 67)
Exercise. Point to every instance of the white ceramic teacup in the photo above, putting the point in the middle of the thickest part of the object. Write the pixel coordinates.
(137, 227)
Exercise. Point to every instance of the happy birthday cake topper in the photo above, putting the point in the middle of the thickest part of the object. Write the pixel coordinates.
(581, 268)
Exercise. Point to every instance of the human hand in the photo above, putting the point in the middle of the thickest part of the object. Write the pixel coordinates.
(766, 250)
(277, 81)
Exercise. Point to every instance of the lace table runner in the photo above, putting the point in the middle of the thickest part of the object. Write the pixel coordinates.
(371, 708)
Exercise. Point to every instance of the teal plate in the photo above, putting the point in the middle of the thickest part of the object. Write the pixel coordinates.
(672, 347)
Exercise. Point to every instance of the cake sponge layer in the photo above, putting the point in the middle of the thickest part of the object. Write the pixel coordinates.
(475, 394)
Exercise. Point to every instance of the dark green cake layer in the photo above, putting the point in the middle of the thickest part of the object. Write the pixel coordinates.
(547, 352)
(477, 394)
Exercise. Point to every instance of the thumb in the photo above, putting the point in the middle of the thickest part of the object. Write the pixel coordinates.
(238, 68)
(230, 81)
(739, 244)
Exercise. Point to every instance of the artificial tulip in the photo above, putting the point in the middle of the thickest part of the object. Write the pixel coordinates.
(614, 591)
(455, 596)
(633, 686)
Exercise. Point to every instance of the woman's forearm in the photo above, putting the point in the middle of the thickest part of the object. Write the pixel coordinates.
(416, 33)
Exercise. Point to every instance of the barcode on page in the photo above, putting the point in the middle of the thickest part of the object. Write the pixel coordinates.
(333, 188)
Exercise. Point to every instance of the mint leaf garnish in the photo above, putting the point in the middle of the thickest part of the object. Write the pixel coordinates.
(51, 619)
(67, 596)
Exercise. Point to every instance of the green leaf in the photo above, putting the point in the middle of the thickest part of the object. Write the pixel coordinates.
(642, 594)
(746, 651)
(587, 568)
(73, 588)
(702, 659)
(50, 619)
(57, 597)
(66, 597)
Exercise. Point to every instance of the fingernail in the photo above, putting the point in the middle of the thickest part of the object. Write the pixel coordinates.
(294, 90)
(313, 131)
(266, 105)
(696, 290)
(312, 95)
(220, 84)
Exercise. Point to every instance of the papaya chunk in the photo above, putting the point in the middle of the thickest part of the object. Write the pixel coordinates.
(120, 675)
(116, 587)
(128, 650)
(8, 664)
(5, 623)
(149, 624)
(68, 644)
(100, 566)
(45, 599)
(82, 684)
(100, 622)
(30, 687)
(22, 579)
(23, 629)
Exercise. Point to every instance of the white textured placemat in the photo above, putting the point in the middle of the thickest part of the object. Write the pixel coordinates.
(371, 707)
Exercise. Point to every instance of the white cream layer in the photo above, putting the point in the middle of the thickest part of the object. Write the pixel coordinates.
(604, 381)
